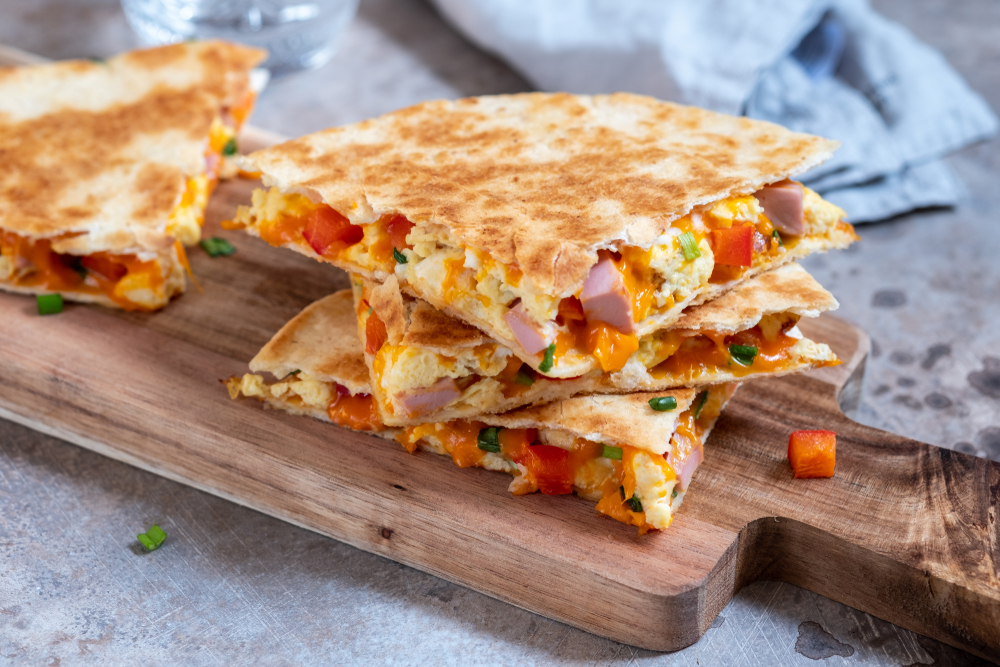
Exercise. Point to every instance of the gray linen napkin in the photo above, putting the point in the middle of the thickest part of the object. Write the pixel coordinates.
(830, 67)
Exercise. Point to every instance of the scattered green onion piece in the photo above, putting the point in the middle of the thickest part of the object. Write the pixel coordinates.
(292, 374)
(673, 494)
(49, 304)
(689, 246)
(523, 378)
(96, 60)
(399, 257)
(230, 148)
(633, 503)
(549, 359)
(152, 538)
(777, 237)
(489, 439)
(370, 309)
(663, 403)
(702, 399)
(743, 354)
(216, 246)
(612, 453)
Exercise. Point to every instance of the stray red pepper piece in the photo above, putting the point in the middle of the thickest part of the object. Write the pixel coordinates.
(549, 467)
(812, 453)
(733, 246)
(398, 228)
(375, 333)
(325, 227)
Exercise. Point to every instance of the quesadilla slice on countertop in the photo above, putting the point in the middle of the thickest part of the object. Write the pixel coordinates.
(522, 213)
(634, 461)
(108, 166)
(427, 366)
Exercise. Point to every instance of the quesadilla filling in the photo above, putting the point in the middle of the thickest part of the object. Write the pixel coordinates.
(188, 216)
(418, 381)
(629, 484)
(130, 281)
(627, 293)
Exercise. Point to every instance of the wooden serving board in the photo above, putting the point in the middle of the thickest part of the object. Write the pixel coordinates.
(905, 531)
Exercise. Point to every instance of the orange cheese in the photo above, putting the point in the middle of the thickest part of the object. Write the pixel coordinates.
(69, 273)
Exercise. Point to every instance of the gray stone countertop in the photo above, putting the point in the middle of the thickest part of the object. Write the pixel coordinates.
(239, 587)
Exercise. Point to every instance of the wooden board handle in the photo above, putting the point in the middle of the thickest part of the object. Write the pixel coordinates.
(904, 530)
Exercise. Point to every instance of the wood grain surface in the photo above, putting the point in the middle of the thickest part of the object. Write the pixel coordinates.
(905, 531)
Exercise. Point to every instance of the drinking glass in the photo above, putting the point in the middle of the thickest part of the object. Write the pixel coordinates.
(298, 34)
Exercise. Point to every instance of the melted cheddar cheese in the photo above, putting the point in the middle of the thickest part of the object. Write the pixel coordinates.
(129, 282)
(440, 269)
(571, 465)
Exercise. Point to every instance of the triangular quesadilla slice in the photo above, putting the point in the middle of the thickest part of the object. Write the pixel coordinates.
(634, 461)
(108, 166)
(428, 366)
(522, 213)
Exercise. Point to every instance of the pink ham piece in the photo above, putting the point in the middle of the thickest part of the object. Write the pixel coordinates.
(688, 466)
(782, 204)
(529, 334)
(605, 298)
(418, 402)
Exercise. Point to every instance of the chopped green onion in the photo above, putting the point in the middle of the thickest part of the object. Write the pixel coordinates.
(152, 538)
(292, 374)
(777, 237)
(612, 453)
(489, 439)
(702, 398)
(633, 503)
(215, 246)
(230, 148)
(49, 304)
(743, 354)
(399, 257)
(548, 359)
(663, 403)
(689, 246)
(673, 494)
(95, 59)
(524, 379)
(370, 309)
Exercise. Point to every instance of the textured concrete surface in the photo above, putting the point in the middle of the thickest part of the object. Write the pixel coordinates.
(232, 586)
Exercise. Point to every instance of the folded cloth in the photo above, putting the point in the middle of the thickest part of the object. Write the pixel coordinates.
(835, 68)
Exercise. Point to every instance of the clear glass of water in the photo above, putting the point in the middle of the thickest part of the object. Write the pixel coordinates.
(298, 34)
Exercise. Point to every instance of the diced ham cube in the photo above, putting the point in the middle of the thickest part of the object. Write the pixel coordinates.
(688, 466)
(605, 298)
(418, 402)
(782, 204)
(529, 334)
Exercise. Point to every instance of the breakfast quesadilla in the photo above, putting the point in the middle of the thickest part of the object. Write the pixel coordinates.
(633, 455)
(108, 166)
(521, 213)
(427, 366)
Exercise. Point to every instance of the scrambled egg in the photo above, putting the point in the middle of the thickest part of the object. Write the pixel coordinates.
(302, 386)
(186, 219)
(653, 490)
(415, 367)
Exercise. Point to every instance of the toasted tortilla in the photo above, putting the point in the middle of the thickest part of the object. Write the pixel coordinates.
(412, 323)
(321, 340)
(540, 181)
(97, 153)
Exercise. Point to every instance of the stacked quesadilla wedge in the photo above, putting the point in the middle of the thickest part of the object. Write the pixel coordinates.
(427, 366)
(634, 462)
(108, 166)
(563, 287)
(565, 227)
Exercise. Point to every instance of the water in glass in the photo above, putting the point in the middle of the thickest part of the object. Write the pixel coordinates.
(298, 34)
